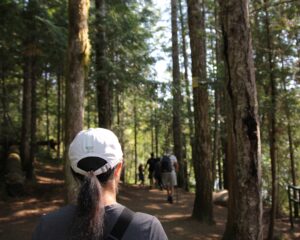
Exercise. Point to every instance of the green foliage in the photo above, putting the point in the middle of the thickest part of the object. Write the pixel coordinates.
(39, 29)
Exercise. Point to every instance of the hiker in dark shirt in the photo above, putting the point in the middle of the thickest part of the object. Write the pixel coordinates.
(157, 174)
(96, 161)
(141, 175)
(151, 162)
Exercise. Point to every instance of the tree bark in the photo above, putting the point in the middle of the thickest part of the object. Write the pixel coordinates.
(78, 54)
(203, 206)
(245, 203)
(104, 85)
(26, 117)
(58, 117)
(188, 93)
(177, 100)
(33, 143)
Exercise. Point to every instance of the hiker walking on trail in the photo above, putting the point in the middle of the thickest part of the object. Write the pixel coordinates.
(96, 160)
(169, 167)
(157, 174)
(151, 162)
(141, 175)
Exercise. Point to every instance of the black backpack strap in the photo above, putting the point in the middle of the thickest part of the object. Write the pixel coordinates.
(121, 225)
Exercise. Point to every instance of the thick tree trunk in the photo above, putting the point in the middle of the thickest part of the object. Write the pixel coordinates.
(203, 205)
(245, 203)
(104, 84)
(78, 54)
(177, 132)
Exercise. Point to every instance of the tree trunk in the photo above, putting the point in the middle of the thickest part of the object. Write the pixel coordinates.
(216, 149)
(78, 54)
(58, 123)
(272, 121)
(135, 139)
(290, 138)
(33, 145)
(104, 91)
(177, 134)
(218, 87)
(245, 203)
(47, 78)
(188, 93)
(156, 131)
(203, 206)
(26, 117)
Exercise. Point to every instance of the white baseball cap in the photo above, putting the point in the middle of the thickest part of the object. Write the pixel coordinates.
(95, 142)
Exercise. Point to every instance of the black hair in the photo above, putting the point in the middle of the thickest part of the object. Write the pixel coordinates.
(89, 218)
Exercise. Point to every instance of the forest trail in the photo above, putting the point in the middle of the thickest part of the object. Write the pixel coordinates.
(18, 217)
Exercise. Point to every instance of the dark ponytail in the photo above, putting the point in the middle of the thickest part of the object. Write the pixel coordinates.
(88, 221)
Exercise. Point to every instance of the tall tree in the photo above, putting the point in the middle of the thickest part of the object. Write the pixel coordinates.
(29, 86)
(104, 84)
(203, 206)
(245, 203)
(78, 56)
(187, 87)
(58, 110)
(272, 119)
(177, 100)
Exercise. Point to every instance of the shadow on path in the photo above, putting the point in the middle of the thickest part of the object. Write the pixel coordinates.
(18, 216)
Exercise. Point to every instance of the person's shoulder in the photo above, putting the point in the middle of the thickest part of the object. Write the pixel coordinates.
(55, 224)
(60, 215)
(149, 225)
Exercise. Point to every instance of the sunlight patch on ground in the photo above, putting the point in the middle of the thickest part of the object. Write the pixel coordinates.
(178, 230)
(26, 201)
(46, 180)
(153, 206)
(175, 216)
(28, 212)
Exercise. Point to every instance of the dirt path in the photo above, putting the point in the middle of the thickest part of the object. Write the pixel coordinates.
(19, 216)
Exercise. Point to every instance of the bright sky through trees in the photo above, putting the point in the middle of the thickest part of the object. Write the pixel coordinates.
(162, 39)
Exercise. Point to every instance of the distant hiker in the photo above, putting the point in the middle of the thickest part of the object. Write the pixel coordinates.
(157, 174)
(169, 167)
(151, 163)
(141, 175)
(96, 160)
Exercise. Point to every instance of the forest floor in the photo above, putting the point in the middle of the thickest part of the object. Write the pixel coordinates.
(18, 216)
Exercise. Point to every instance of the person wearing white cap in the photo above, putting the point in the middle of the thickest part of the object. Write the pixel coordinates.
(96, 161)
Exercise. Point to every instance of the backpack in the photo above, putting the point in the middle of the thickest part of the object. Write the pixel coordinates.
(166, 164)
